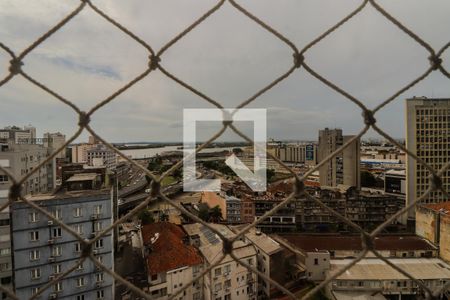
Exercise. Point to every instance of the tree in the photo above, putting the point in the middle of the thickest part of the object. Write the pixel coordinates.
(237, 151)
(146, 217)
(203, 213)
(270, 174)
(215, 213)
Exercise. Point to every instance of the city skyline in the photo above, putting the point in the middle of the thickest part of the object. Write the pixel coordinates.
(151, 110)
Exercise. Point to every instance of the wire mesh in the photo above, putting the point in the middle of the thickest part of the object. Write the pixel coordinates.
(154, 64)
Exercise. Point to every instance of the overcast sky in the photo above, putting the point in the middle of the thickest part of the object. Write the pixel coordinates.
(228, 57)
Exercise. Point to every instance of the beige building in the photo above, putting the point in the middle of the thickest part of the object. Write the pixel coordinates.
(372, 278)
(229, 280)
(297, 153)
(428, 137)
(79, 153)
(433, 223)
(342, 168)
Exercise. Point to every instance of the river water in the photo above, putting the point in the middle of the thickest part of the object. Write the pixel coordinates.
(150, 152)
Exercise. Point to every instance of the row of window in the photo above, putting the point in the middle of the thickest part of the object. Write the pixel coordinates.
(57, 213)
(58, 287)
(81, 281)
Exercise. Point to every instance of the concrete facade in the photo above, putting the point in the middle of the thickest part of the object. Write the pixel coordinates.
(433, 223)
(42, 249)
(342, 168)
(427, 136)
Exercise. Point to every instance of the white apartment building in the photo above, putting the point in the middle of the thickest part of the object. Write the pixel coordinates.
(428, 137)
(372, 278)
(229, 280)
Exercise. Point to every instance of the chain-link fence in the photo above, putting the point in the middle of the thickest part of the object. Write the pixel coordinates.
(155, 64)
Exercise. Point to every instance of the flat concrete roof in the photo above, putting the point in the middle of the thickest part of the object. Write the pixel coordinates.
(82, 177)
(376, 269)
(330, 242)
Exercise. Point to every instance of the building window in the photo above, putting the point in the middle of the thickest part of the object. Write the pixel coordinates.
(56, 269)
(33, 217)
(56, 232)
(250, 261)
(57, 287)
(316, 261)
(218, 272)
(5, 251)
(57, 251)
(57, 214)
(77, 247)
(227, 269)
(5, 267)
(227, 284)
(98, 209)
(34, 291)
(80, 267)
(34, 236)
(99, 244)
(217, 287)
(97, 226)
(35, 273)
(35, 254)
(99, 277)
(80, 297)
(80, 282)
(78, 212)
(100, 294)
(78, 228)
(154, 277)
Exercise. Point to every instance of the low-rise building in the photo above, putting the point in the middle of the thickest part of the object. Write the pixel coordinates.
(171, 262)
(275, 262)
(233, 209)
(371, 276)
(100, 155)
(228, 280)
(346, 246)
(433, 223)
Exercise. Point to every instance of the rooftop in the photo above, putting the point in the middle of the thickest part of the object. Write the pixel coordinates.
(211, 244)
(443, 207)
(69, 194)
(82, 177)
(376, 269)
(308, 242)
(168, 251)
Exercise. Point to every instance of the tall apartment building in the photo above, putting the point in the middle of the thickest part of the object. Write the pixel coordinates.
(19, 154)
(342, 168)
(42, 249)
(297, 153)
(428, 137)
(100, 155)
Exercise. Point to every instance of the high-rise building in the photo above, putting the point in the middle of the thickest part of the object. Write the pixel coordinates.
(20, 155)
(342, 168)
(43, 250)
(428, 137)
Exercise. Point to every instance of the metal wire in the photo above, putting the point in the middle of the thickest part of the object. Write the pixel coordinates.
(154, 64)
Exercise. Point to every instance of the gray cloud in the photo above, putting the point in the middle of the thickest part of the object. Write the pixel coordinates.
(228, 57)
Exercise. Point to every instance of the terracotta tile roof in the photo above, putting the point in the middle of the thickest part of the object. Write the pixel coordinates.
(168, 251)
(444, 206)
(353, 242)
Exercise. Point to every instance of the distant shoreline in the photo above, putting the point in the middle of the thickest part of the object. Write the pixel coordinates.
(137, 146)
